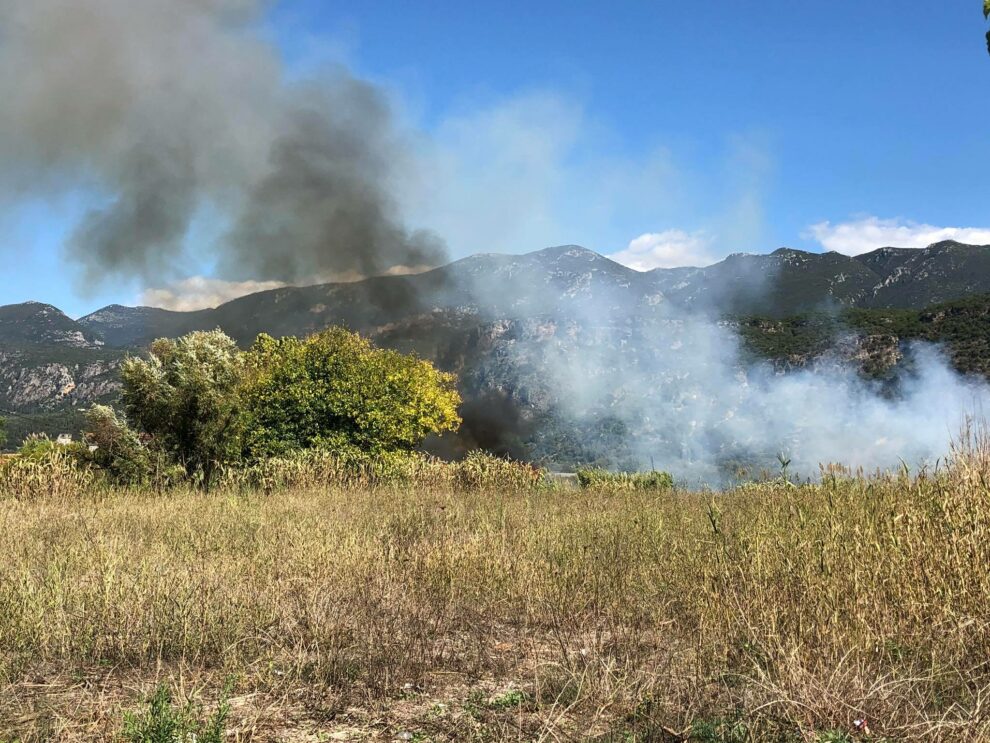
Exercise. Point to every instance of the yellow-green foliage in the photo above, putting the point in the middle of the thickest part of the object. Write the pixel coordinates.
(209, 408)
(605, 479)
(335, 390)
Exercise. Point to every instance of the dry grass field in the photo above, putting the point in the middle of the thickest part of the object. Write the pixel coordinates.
(770, 612)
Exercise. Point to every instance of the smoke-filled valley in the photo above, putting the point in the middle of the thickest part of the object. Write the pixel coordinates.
(569, 359)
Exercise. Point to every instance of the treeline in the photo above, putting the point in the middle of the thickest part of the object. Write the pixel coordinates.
(961, 327)
(197, 405)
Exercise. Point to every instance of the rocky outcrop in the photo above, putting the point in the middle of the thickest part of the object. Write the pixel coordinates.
(49, 386)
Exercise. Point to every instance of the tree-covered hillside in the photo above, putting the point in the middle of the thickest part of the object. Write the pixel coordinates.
(961, 327)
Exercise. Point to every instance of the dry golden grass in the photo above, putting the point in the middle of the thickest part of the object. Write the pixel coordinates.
(769, 612)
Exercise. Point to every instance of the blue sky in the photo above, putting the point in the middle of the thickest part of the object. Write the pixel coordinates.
(697, 129)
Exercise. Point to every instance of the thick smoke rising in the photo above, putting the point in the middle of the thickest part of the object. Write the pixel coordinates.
(167, 111)
(691, 403)
(491, 421)
(672, 386)
(325, 193)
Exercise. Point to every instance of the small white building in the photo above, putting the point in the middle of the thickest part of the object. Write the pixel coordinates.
(64, 439)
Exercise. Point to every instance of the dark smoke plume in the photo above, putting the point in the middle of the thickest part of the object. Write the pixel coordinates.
(163, 112)
(492, 421)
(326, 193)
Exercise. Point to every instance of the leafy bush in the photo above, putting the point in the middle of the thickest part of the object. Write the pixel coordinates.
(119, 450)
(37, 448)
(210, 408)
(163, 722)
(602, 479)
(335, 390)
(187, 396)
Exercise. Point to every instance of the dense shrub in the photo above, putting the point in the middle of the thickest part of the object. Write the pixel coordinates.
(186, 395)
(336, 391)
(604, 479)
(119, 450)
(39, 448)
(203, 404)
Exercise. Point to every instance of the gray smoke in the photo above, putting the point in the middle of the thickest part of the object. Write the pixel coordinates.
(691, 402)
(630, 387)
(325, 193)
(174, 110)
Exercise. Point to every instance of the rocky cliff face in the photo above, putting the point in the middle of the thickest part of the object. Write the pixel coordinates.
(27, 386)
(51, 368)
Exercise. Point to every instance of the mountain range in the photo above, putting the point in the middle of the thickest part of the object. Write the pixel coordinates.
(563, 279)
(498, 320)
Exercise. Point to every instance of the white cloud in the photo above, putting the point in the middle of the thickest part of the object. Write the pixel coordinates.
(200, 292)
(667, 249)
(869, 233)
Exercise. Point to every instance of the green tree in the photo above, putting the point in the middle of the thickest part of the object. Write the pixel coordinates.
(119, 449)
(3, 432)
(186, 395)
(986, 15)
(336, 390)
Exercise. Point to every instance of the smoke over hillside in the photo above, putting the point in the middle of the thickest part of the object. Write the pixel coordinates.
(166, 112)
(169, 110)
(689, 400)
(634, 380)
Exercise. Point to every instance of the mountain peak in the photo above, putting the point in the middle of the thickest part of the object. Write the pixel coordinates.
(38, 322)
(557, 252)
(945, 245)
(31, 306)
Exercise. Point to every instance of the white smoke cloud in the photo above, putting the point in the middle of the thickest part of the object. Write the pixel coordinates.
(675, 388)
(667, 249)
(693, 405)
(537, 169)
(200, 292)
(869, 233)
